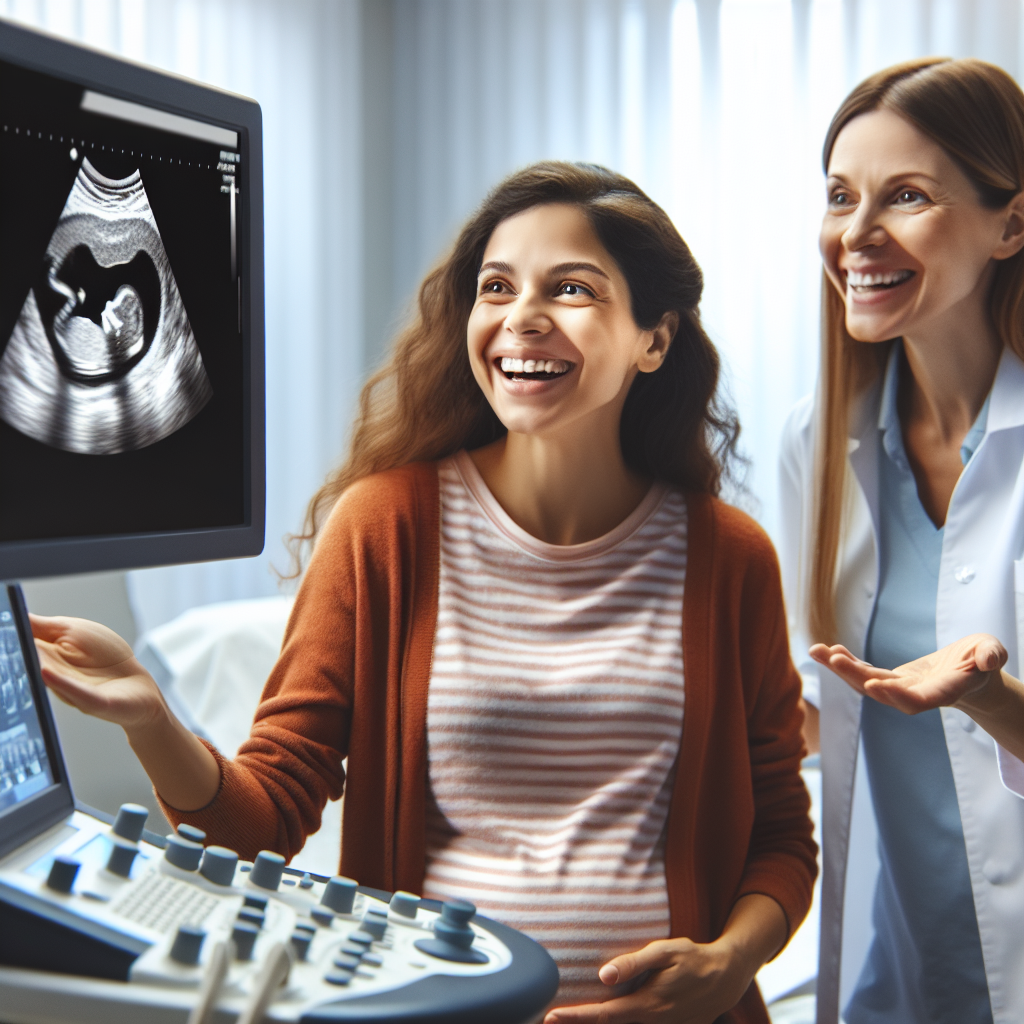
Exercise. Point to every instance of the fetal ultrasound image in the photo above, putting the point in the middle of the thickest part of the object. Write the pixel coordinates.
(102, 358)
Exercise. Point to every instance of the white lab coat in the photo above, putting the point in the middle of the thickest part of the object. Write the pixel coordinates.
(981, 590)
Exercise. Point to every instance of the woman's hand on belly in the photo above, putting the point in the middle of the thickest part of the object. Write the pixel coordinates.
(966, 674)
(688, 982)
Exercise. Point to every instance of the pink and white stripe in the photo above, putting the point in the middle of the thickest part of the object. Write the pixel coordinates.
(553, 722)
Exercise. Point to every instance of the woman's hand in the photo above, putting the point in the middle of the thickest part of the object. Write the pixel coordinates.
(690, 982)
(91, 668)
(966, 675)
(94, 670)
(948, 678)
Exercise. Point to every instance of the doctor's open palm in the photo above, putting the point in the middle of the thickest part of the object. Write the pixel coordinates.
(91, 668)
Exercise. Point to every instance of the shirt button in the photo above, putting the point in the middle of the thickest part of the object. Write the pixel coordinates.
(968, 724)
(999, 872)
(964, 574)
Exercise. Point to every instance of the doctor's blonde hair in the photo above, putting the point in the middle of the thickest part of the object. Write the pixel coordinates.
(975, 112)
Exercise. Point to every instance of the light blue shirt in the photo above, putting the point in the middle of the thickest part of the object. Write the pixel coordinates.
(925, 964)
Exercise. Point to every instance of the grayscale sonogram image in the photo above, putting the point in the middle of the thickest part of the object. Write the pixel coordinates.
(103, 358)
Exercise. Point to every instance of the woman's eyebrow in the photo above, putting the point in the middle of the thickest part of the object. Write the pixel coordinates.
(575, 268)
(497, 265)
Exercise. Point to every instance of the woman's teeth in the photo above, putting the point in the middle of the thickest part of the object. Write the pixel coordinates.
(547, 367)
(887, 280)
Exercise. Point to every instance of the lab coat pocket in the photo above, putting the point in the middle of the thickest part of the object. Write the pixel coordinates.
(1018, 609)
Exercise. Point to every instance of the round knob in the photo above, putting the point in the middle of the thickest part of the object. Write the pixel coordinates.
(458, 912)
(306, 881)
(267, 870)
(339, 895)
(183, 853)
(300, 943)
(374, 923)
(460, 935)
(62, 874)
(322, 916)
(122, 856)
(243, 935)
(405, 904)
(187, 944)
(191, 833)
(219, 865)
(130, 820)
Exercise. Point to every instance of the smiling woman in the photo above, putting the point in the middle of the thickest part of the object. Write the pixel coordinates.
(903, 491)
(520, 576)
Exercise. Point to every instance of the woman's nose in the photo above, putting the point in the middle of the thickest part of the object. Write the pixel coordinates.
(527, 315)
(864, 230)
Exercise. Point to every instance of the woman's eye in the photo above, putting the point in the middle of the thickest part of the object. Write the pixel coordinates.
(492, 287)
(574, 290)
(910, 197)
(840, 199)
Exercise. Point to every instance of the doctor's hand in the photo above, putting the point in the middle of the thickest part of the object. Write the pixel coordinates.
(689, 982)
(966, 675)
(948, 678)
(91, 668)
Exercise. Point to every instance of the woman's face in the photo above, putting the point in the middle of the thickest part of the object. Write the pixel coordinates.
(551, 337)
(905, 239)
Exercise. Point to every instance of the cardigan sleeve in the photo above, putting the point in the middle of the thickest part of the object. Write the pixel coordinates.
(273, 791)
(782, 854)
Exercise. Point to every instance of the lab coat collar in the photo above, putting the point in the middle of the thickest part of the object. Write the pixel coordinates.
(1007, 401)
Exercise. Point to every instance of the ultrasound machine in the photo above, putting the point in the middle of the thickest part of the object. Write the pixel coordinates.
(131, 434)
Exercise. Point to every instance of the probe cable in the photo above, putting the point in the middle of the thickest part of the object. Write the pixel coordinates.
(213, 980)
(274, 973)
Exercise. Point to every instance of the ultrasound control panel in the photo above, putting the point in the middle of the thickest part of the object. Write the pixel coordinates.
(206, 936)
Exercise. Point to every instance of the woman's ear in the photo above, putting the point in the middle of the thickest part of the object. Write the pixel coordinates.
(1013, 229)
(658, 342)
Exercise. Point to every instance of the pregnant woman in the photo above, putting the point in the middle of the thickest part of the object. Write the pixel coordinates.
(903, 484)
(557, 664)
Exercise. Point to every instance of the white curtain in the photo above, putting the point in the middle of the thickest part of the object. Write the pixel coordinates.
(386, 121)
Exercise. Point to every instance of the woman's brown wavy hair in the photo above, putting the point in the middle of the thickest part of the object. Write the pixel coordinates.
(425, 404)
(975, 112)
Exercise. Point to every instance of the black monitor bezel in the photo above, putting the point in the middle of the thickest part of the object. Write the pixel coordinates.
(22, 822)
(123, 79)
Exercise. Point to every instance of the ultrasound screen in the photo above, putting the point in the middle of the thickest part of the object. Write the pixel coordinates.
(24, 763)
(121, 363)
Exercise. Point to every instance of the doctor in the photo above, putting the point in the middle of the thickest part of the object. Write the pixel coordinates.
(903, 506)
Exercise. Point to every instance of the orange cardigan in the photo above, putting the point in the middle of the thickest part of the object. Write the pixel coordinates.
(352, 681)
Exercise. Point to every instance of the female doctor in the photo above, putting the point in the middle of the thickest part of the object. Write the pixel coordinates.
(903, 492)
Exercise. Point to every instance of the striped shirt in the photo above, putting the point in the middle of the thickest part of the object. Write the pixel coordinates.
(553, 722)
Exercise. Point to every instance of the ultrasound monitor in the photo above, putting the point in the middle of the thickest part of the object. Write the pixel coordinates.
(131, 314)
(34, 787)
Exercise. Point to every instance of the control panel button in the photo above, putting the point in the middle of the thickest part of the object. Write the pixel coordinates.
(183, 853)
(256, 902)
(337, 976)
(130, 821)
(300, 943)
(322, 916)
(192, 834)
(405, 904)
(306, 881)
(361, 938)
(375, 923)
(122, 856)
(346, 962)
(339, 894)
(187, 944)
(62, 874)
(252, 916)
(243, 935)
(267, 870)
(372, 959)
(219, 865)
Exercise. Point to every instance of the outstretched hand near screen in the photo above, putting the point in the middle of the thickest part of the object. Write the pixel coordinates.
(91, 668)
(950, 677)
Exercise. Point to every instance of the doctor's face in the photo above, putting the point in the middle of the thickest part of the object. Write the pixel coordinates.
(905, 239)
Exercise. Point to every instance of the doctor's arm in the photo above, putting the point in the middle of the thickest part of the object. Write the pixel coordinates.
(966, 674)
